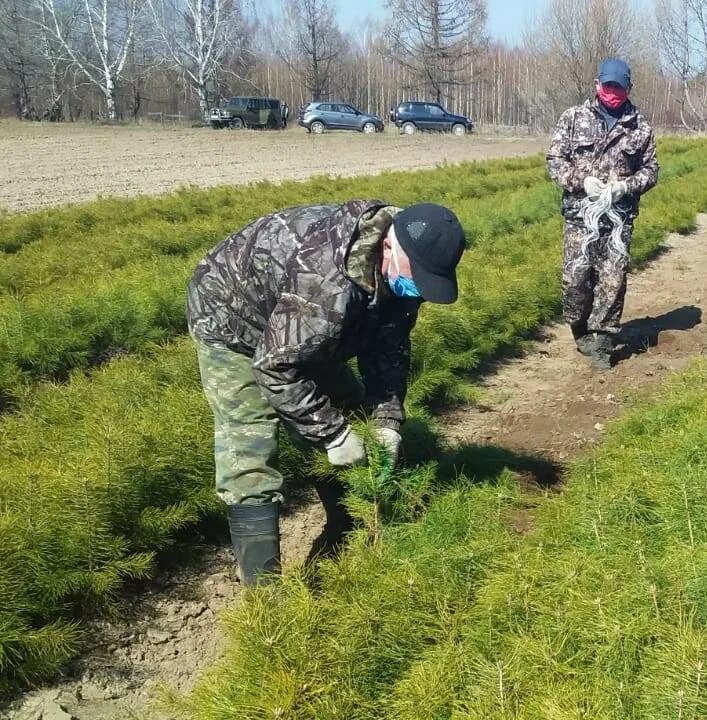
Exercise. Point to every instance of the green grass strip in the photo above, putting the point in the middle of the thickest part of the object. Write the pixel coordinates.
(86, 292)
(599, 612)
(96, 476)
(133, 226)
(76, 320)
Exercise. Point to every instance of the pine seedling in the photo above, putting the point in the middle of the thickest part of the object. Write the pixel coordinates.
(382, 494)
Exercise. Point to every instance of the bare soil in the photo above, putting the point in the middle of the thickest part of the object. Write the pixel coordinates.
(52, 164)
(549, 404)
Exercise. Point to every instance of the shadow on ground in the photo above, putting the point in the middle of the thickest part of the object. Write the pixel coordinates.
(637, 336)
(485, 463)
(481, 462)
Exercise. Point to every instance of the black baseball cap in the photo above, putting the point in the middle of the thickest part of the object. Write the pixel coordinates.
(433, 239)
(613, 70)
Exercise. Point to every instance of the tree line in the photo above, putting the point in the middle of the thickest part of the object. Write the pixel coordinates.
(132, 59)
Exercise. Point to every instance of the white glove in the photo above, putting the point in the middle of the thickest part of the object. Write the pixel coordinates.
(618, 190)
(593, 187)
(390, 439)
(346, 449)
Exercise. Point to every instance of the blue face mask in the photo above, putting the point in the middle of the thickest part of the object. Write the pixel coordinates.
(400, 285)
(403, 287)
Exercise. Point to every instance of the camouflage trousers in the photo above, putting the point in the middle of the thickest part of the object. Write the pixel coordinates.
(245, 428)
(594, 278)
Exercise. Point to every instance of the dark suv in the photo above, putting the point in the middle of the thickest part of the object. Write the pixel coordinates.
(413, 116)
(242, 112)
(316, 117)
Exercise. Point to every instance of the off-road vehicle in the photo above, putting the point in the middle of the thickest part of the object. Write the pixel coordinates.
(247, 112)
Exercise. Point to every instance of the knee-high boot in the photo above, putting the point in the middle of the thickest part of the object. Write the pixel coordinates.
(338, 521)
(255, 535)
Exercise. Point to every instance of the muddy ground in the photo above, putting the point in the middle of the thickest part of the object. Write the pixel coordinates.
(549, 403)
(49, 164)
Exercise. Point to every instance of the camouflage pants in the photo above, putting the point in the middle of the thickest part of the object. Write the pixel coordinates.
(245, 428)
(594, 278)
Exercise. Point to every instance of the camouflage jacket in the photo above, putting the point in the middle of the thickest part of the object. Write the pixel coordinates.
(301, 290)
(581, 146)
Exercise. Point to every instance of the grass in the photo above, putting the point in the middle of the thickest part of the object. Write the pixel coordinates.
(599, 612)
(108, 462)
(82, 292)
(78, 292)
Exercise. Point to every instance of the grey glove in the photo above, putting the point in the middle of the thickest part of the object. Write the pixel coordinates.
(593, 187)
(346, 449)
(618, 190)
(390, 439)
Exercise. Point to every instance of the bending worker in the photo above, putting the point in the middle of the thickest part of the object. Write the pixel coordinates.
(274, 307)
(605, 142)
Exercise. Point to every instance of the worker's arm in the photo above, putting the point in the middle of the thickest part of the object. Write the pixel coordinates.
(384, 361)
(647, 176)
(304, 332)
(559, 155)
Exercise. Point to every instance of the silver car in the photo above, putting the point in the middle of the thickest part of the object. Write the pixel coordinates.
(316, 117)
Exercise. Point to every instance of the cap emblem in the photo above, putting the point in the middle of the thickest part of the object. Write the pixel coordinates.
(415, 229)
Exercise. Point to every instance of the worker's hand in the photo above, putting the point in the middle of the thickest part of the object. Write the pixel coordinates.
(390, 440)
(618, 190)
(593, 187)
(346, 449)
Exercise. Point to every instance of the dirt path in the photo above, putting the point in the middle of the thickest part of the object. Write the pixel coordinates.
(50, 164)
(551, 403)
(548, 403)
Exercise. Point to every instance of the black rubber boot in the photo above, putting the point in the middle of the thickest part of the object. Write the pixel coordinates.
(601, 349)
(338, 521)
(255, 535)
(582, 339)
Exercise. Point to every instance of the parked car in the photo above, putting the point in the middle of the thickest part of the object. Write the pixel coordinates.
(316, 117)
(251, 112)
(413, 116)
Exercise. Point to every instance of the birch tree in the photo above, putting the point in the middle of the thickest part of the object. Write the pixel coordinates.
(56, 67)
(99, 45)
(201, 38)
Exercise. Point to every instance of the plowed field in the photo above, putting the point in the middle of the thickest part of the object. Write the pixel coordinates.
(56, 164)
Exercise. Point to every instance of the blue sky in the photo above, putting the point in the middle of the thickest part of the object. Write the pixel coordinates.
(507, 18)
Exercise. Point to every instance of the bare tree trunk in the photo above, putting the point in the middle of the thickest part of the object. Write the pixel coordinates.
(683, 41)
(109, 95)
(200, 39)
(101, 47)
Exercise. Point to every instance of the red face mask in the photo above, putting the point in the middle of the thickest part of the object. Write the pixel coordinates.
(612, 97)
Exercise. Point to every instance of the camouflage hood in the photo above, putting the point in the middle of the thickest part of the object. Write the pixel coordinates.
(301, 290)
(581, 146)
(363, 260)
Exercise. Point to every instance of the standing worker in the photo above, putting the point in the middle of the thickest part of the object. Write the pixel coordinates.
(274, 307)
(603, 143)
(285, 114)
